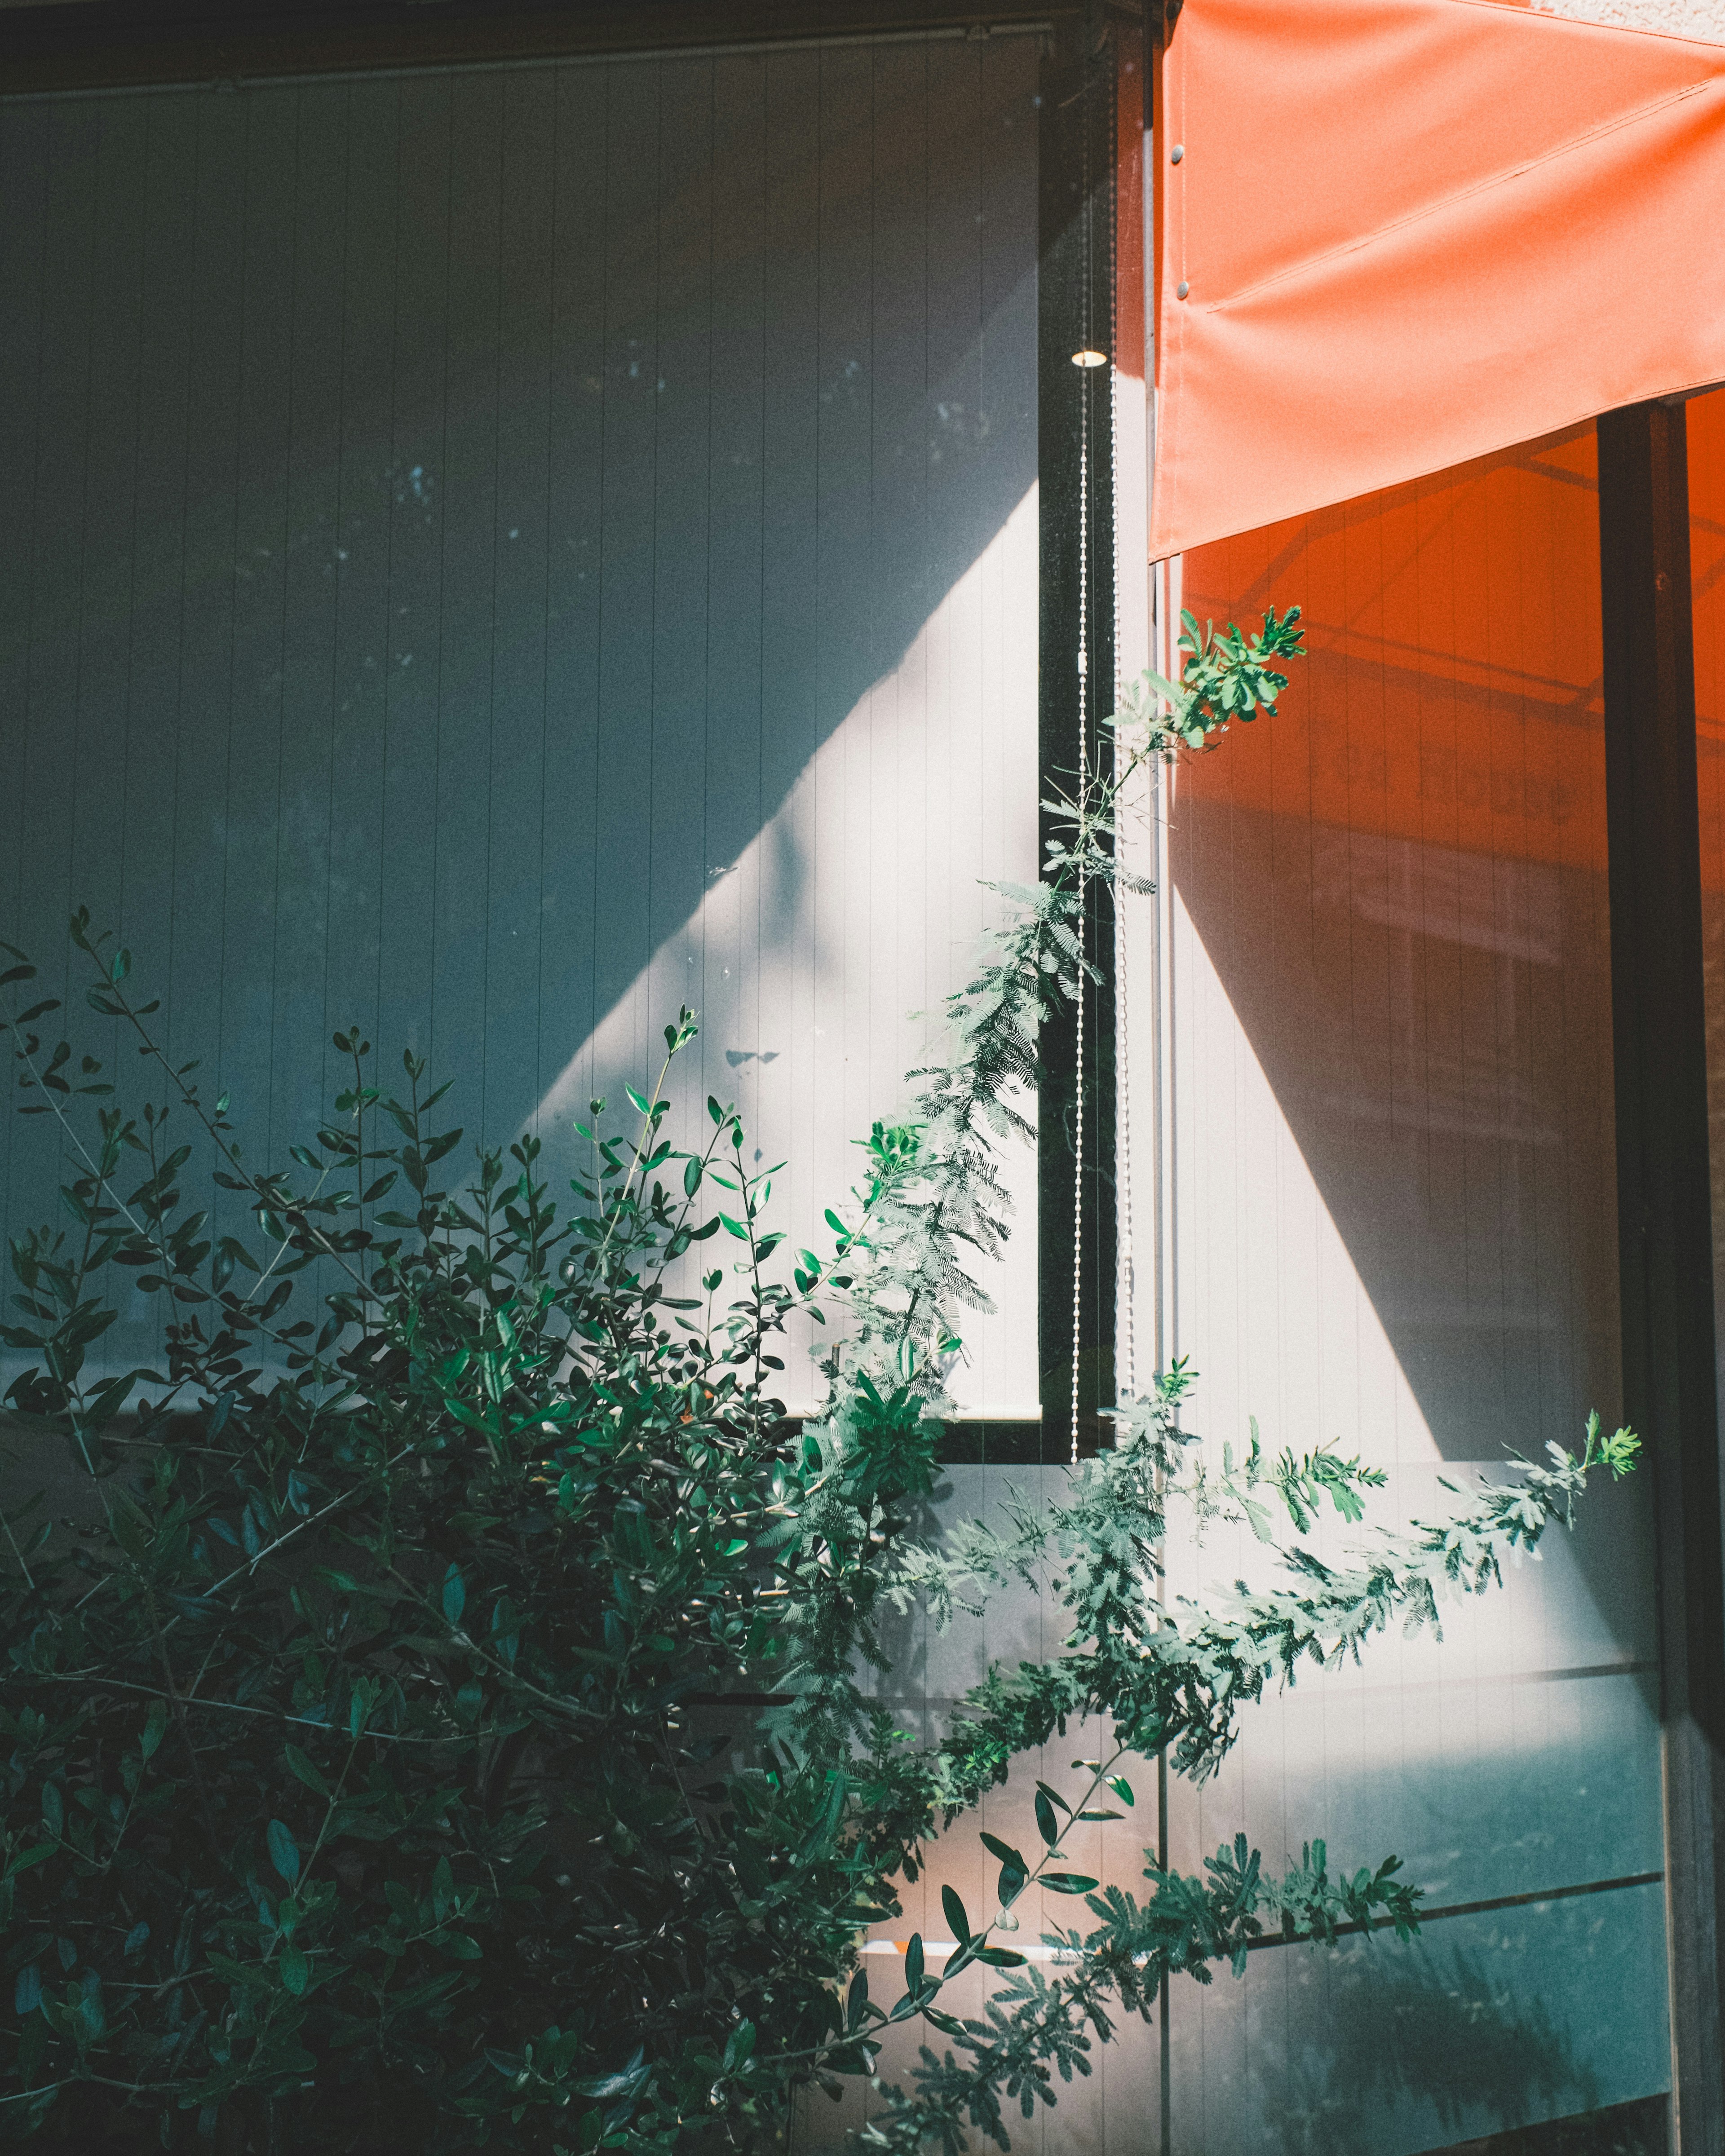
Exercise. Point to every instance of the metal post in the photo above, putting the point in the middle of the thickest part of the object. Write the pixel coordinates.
(1664, 1225)
(1075, 272)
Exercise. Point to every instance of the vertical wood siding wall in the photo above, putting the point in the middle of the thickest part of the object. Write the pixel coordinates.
(500, 555)
(1394, 1229)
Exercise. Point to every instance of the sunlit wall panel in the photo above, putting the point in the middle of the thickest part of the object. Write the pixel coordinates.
(1391, 1226)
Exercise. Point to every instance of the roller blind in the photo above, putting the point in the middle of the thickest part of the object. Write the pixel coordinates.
(498, 555)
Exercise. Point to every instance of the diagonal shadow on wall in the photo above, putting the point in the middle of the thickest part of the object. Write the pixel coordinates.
(459, 510)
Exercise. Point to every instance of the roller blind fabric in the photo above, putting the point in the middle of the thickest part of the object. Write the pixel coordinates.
(1394, 235)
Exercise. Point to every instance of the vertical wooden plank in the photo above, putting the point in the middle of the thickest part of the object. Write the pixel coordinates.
(115, 861)
(1451, 544)
(679, 254)
(203, 726)
(1579, 807)
(407, 964)
(114, 268)
(456, 636)
(623, 939)
(354, 560)
(247, 840)
(24, 170)
(1370, 944)
(919, 290)
(741, 919)
(1510, 1219)
(304, 868)
(844, 832)
(519, 809)
(575, 550)
(1665, 1229)
(164, 418)
(786, 714)
(460, 638)
(1310, 1376)
(60, 483)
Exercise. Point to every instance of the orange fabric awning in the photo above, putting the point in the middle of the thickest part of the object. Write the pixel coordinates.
(1395, 235)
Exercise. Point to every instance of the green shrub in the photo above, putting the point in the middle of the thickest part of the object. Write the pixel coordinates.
(386, 1762)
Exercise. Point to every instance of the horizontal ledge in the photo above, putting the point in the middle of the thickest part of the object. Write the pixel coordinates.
(1474, 1681)
(235, 61)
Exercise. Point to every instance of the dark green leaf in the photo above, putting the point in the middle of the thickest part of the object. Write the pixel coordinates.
(1005, 1851)
(301, 1766)
(284, 1852)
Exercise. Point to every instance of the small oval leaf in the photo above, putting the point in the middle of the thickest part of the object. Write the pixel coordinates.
(302, 1769)
(1068, 1882)
(284, 1852)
